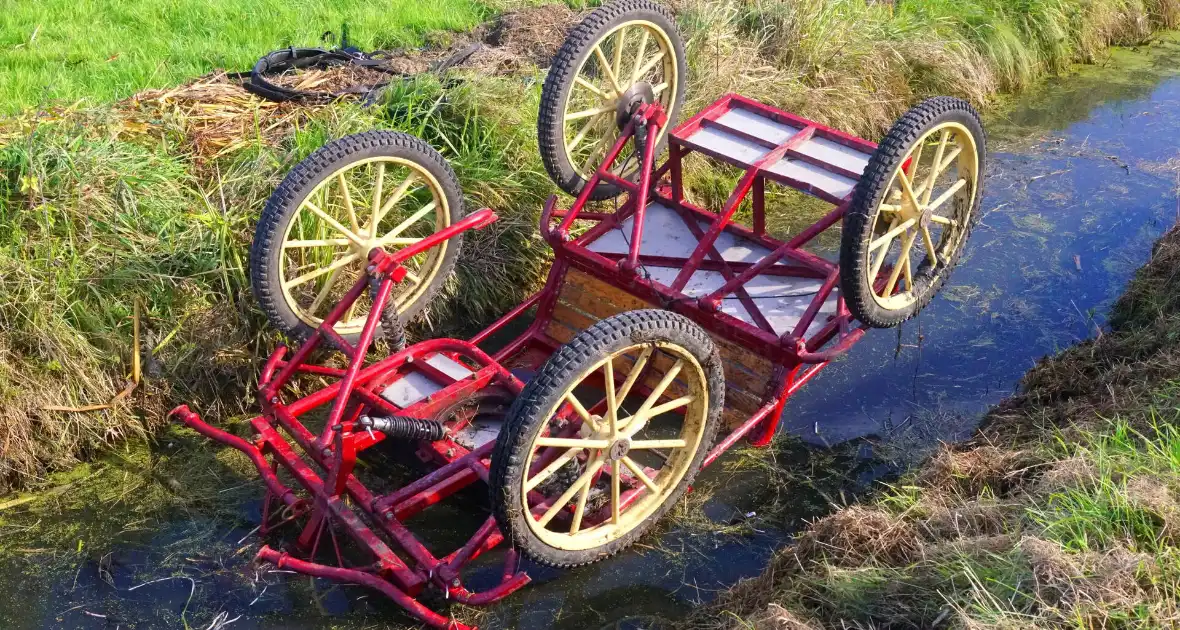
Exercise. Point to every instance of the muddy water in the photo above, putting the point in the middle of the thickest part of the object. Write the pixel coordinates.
(1082, 177)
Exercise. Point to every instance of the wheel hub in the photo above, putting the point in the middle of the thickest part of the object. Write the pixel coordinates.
(630, 100)
(619, 449)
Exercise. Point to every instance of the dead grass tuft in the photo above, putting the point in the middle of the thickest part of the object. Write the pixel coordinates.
(985, 469)
(856, 535)
(775, 617)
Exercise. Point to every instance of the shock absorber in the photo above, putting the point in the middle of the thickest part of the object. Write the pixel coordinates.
(405, 428)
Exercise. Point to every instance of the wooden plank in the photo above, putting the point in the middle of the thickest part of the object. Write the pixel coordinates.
(585, 299)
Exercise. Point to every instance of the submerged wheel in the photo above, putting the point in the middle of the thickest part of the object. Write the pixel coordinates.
(372, 189)
(911, 211)
(572, 482)
(624, 52)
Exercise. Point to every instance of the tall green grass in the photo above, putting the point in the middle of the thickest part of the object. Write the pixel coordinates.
(100, 50)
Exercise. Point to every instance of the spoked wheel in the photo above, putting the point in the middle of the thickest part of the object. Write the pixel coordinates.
(623, 53)
(912, 211)
(373, 189)
(575, 481)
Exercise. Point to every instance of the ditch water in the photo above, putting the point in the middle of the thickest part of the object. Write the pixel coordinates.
(1081, 178)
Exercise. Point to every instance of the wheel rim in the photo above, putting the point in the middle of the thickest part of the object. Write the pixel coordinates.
(637, 51)
(325, 245)
(613, 454)
(921, 221)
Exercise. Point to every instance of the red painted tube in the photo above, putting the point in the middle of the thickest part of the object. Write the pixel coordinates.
(339, 574)
(276, 487)
(649, 152)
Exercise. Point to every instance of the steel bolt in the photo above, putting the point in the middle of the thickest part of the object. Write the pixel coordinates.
(274, 399)
(389, 516)
(327, 452)
(410, 359)
(455, 582)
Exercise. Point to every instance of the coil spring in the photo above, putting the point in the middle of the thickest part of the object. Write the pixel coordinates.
(412, 429)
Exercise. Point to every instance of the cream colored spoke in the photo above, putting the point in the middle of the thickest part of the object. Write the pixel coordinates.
(401, 227)
(581, 411)
(588, 113)
(890, 207)
(641, 444)
(639, 56)
(636, 370)
(415, 278)
(400, 241)
(312, 275)
(909, 278)
(948, 159)
(881, 258)
(929, 245)
(590, 86)
(319, 242)
(615, 471)
(398, 194)
(637, 470)
(907, 242)
(590, 165)
(606, 68)
(336, 225)
(612, 407)
(617, 63)
(571, 442)
(947, 194)
(906, 189)
(669, 406)
(548, 471)
(935, 170)
(636, 422)
(916, 159)
(323, 293)
(580, 509)
(887, 238)
(347, 197)
(560, 503)
(348, 315)
(943, 220)
(656, 89)
(651, 63)
(583, 131)
(377, 194)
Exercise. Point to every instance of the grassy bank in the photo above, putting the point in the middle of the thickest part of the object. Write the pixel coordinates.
(1061, 513)
(153, 199)
(101, 50)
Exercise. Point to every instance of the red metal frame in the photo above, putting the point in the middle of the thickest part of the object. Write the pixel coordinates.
(328, 495)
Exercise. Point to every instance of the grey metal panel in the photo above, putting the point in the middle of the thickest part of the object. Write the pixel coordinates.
(410, 389)
(834, 153)
(449, 366)
(757, 126)
(737, 148)
(831, 183)
(478, 433)
(665, 234)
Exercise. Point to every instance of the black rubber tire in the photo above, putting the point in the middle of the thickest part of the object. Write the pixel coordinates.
(266, 250)
(859, 221)
(527, 417)
(560, 80)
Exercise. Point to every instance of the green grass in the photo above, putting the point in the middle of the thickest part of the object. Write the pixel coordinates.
(102, 50)
(108, 203)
